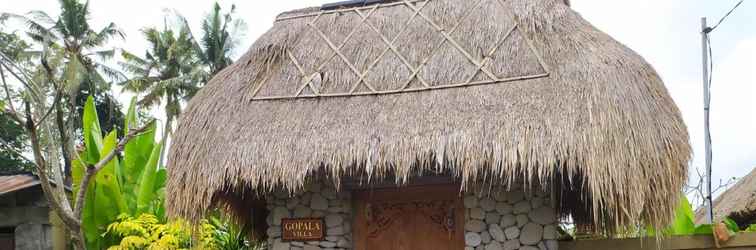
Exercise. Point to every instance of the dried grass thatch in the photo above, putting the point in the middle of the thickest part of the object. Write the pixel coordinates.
(509, 89)
(738, 203)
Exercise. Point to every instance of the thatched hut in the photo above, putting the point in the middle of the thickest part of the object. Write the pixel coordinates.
(484, 118)
(737, 203)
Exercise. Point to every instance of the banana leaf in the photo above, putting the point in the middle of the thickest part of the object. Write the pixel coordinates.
(107, 177)
(704, 229)
(683, 223)
(130, 119)
(731, 225)
(136, 154)
(147, 182)
(91, 132)
(131, 184)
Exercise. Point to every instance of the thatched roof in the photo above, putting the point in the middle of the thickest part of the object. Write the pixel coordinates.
(738, 202)
(484, 89)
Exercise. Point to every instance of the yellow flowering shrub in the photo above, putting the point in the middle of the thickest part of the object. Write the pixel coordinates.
(146, 232)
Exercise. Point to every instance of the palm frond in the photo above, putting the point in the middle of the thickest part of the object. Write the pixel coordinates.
(103, 55)
(221, 33)
(111, 73)
(36, 30)
(95, 39)
(152, 98)
(74, 19)
(41, 17)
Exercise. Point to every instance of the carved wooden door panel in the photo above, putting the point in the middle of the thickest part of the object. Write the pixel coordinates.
(410, 218)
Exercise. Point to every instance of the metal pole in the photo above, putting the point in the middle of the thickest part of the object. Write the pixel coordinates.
(707, 137)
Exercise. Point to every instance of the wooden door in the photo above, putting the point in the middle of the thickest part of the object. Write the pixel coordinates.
(6, 241)
(409, 218)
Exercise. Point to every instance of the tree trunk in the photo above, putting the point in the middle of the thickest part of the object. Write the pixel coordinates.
(65, 146)
(166, 132)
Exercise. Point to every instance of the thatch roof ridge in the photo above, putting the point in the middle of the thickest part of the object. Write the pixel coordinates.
(484, 89)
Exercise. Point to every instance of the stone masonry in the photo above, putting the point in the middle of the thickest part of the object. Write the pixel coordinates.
(507, 220)
(318, 200)
(510, 220)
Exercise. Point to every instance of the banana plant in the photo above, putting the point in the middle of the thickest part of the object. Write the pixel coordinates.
(132, 184)
(684, 222)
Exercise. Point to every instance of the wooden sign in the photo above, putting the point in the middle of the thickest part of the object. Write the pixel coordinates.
(302, 229)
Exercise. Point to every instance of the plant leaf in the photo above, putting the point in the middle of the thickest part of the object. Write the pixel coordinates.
(130, 119)
(108, 176)
(92, 132)
(147, 183)
(683, 223)
(731, 225)
(704, 229)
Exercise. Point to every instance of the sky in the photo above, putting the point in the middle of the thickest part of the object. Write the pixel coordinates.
(665, 32)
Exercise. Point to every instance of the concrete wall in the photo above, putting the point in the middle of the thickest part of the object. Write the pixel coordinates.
(33, 237)
(12, 216)
(27, 212)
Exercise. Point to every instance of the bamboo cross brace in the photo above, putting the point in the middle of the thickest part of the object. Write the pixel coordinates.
(393, 48)
(344, 10)
(349, 36)
(441, 42)
(487, 59)
(454, 42)
(306, 79)
(396, 38)
(482, 66)
(529, 42)
(342, 56)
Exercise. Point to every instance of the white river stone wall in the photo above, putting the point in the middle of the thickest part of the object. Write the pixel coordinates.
(510, 220)
(317, 201)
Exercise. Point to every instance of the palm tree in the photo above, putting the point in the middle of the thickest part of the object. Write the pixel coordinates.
(169, 72)
(71, 37)
(220, 36)
(176, 65)
(80, 43)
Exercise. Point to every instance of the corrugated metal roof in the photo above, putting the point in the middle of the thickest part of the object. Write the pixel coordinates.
(11, 183)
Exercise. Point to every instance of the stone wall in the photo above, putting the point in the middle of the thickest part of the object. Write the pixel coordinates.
(319, 200)
(513, 220)
(509, 221)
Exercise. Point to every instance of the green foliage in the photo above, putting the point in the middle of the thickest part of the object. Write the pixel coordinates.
(107, 106)
(220, 35)
(146, 232)
(13, 137)
(11, 45)
(170, 71)
(751, 228)
(684, 223)
(13, 141)
(223, 235)
(74, 55)
(127, 185)
(731, 225)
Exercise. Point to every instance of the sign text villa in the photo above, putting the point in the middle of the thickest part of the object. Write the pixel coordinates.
(302, 229)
